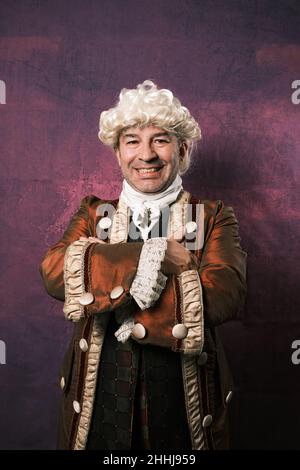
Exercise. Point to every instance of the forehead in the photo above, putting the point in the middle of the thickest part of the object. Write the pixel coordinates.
(144, 131)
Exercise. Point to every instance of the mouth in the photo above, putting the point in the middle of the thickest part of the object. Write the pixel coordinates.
(148, 171)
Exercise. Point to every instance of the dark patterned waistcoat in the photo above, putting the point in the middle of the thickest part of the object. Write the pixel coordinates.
(139, 402)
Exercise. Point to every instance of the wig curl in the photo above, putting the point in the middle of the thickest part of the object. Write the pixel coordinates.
(147, 105)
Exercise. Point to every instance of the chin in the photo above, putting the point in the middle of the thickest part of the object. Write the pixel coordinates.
(150, 188)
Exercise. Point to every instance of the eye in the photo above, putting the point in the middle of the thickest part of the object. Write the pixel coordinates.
(131, 142)
(161, 141)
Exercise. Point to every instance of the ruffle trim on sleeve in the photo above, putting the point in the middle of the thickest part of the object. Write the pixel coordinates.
(74, 279)
(149, 281)
(192, 311)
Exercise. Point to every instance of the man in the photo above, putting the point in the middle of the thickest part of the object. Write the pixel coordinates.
(146, 279)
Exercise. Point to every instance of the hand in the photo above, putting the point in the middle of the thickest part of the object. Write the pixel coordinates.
(178, 259)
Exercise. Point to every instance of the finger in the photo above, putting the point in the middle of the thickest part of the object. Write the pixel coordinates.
(196, 260)
(95, 239)
(179, 234)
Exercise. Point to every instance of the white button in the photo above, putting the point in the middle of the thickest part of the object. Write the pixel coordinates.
(83, 345)
(207, 420)
(116, 292)
(179, 331)
(139, 331)
(76, 406)
(202, 359)
(190, 227)
(105, 223)
(86, 298)
(62, 383)
(228, 397)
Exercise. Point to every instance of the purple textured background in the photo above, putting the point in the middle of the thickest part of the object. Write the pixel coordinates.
(232, 64)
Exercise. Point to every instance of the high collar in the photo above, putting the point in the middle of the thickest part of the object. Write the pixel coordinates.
(143, 204)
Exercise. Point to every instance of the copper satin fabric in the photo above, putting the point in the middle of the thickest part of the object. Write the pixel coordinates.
(222, 271)
(223, 276)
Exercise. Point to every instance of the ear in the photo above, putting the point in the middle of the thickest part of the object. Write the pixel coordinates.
(183, 149)
(117, 152)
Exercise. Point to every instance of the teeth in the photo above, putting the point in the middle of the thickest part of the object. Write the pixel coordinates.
(148, 170)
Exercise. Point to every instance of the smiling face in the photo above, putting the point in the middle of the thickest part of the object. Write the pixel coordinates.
(149, 158)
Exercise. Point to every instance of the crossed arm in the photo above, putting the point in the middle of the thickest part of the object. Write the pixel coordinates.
(108, 272)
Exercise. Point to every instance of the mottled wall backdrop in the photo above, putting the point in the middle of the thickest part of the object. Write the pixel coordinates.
(233, 64)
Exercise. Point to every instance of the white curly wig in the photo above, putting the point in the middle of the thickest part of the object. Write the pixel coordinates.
(147, 105)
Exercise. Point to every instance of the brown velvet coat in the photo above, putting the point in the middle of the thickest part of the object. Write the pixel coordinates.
(200, 300)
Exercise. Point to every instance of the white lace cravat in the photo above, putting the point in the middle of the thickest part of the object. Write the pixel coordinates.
(140, 217)
(141, 203)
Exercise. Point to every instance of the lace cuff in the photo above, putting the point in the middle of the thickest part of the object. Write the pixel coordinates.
(149, 281)
(124, 332)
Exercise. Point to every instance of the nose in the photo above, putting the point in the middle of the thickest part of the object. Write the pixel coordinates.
(147, 153)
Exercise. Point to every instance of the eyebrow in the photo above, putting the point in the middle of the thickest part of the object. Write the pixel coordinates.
(154, 135)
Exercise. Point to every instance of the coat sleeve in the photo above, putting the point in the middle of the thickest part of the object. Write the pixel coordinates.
(205, 298)
(223, 269)
(90, 277)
